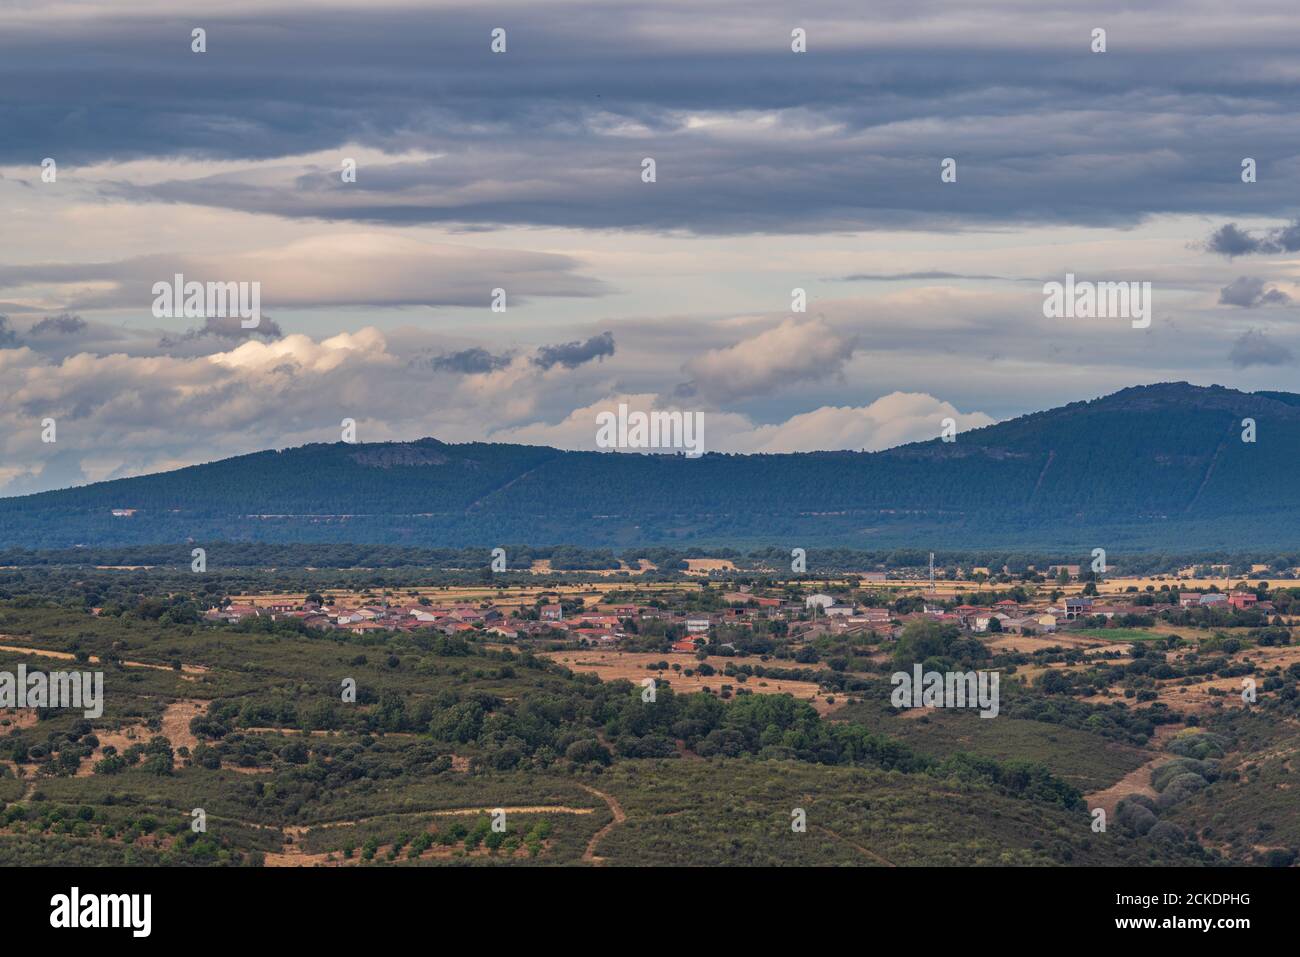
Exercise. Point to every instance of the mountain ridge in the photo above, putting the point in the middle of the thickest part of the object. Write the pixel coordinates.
(1162, 464)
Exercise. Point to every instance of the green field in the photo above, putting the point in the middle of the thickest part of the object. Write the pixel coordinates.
(1118, 634)
(1088, 761)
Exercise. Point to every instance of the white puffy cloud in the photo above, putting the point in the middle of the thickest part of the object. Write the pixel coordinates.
(891, 420)
(894, 419)
(121, 415)
(791, 352)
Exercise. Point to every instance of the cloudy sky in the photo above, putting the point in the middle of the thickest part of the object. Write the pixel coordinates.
(522, 171)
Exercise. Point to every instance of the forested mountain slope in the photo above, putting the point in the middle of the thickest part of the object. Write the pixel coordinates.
(1150, 466)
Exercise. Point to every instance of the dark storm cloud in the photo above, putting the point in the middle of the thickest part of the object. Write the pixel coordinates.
(553, 132)
(57, 337)
(1249, 292)
(65, 324)
(573, 354)
(229, 328)
(469, 362)
(569, 355)
(1230, 240)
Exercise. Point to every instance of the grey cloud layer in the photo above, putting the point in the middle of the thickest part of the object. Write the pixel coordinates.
(1256, 348)
(748, 136)
(568, 355)
(1231, 240)
(347, 269)
(1251, 292)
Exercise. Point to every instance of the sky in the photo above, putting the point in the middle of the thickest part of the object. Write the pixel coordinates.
(126, 158)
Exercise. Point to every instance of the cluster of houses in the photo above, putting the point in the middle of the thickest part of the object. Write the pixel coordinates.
(1241, 600)
(831, 616)
(1011, 616)
(501, 622)
(449, 620)
(602, 626)
(607, 625)
(1006, 615)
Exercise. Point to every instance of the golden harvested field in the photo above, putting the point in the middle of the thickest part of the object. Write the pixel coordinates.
(591, 592)
(702, 566)
(1113, 585)
(1028, 644)
(611, 665)
(1196, 697)
(542, 566)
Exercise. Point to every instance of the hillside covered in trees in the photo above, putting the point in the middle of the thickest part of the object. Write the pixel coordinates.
(1151, 467)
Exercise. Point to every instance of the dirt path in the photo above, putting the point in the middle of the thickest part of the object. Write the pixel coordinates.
(94, 659)
(28, 791)
(857, 847)
(589, 855)
(1137, 781)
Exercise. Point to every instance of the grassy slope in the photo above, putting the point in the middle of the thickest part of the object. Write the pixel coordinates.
(1088, 761)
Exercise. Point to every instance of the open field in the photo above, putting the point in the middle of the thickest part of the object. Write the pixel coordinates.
(1117, 634)
(611, 665)
(516, 595)
(1209, 694)
(1113, 585)
(1092, 644)
(593, 591)
(1085, 760)
(702, 566)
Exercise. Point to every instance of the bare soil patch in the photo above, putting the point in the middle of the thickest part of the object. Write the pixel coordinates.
(1137, 781)
(17, 718)
(175, 728)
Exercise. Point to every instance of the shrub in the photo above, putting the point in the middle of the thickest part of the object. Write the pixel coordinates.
(1165, 832)
(1180, 789)
(1136, 815)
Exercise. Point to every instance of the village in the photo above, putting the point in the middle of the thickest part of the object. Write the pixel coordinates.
(690, 620)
